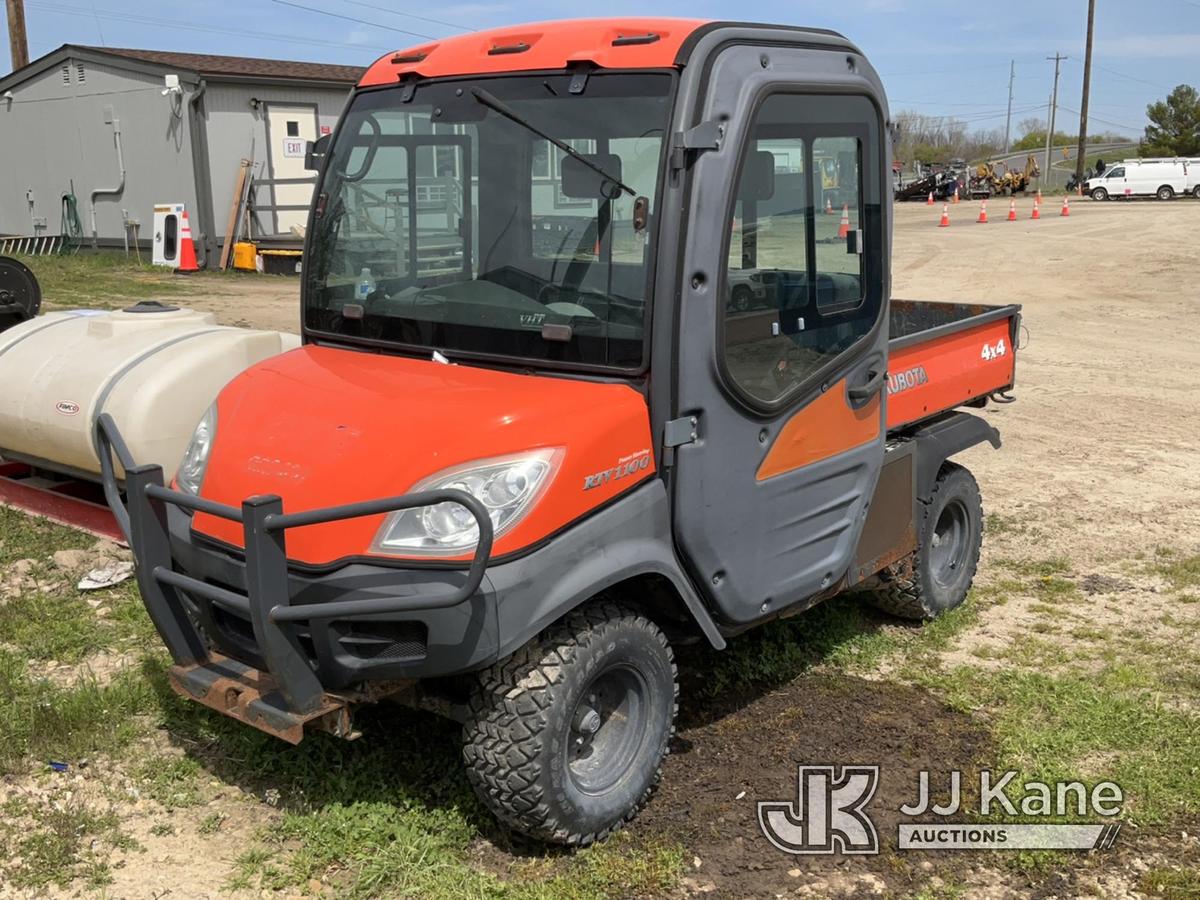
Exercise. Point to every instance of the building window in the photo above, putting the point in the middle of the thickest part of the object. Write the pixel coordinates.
(293, 129)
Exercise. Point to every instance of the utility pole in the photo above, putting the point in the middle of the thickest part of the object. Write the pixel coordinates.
(1083, 103)
(17, 40)
(1012, 73)
(1053, 108)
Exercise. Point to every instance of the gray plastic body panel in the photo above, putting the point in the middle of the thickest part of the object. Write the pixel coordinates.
(516, 600)
(756, 547)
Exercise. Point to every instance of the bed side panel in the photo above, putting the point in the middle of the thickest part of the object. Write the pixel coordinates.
(929, 377)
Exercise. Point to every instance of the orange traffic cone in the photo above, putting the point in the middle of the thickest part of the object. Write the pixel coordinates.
(844, 227)
(956, 195)
(1066, 207)
(929, 202)
(1038, 198)
(1012, 210)
(982, 220)
(1036, 214)
(945, 223)
(828, 207)
(187, 249)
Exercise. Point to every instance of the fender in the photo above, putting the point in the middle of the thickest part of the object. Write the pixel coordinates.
(537, 590)
(943, 438)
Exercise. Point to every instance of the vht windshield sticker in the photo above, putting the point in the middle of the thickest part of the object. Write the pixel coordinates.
(626, 466)
(906, 380)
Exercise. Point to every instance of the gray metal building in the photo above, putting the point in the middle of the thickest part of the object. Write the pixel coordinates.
(125, 130)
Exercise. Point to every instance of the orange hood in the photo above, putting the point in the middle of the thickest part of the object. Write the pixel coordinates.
(322, 427)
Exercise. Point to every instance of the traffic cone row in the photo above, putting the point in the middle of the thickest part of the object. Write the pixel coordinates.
(983, 217)
(187, 249)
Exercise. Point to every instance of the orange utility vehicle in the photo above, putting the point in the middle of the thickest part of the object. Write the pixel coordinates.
(529, 445)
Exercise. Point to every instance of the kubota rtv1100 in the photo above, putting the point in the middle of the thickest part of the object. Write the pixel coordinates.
(588, 371)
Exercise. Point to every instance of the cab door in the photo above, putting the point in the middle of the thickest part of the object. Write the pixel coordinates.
(783, 340)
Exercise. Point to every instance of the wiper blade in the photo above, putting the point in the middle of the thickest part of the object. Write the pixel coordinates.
(495, 103)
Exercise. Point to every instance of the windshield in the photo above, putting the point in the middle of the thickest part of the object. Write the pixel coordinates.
(449, 222)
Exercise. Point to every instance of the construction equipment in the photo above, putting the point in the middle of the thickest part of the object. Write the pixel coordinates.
(486, 486)
(997, 178)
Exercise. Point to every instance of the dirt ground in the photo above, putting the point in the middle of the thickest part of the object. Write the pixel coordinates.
(1100, 466)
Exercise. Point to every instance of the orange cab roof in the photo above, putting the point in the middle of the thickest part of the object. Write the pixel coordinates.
(628, 43)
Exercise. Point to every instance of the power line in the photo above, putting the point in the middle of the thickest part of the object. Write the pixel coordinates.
(1152, 84)
(1092, 118)
(407, 15)
(175, 25)
(322, 12)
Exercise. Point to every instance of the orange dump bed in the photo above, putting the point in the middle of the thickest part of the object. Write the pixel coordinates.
(944, 355)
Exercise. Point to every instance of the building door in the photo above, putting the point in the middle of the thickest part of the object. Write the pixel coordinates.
(782, 360)
(289, 128)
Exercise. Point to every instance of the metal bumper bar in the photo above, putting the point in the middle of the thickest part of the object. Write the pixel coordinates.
(267, 602)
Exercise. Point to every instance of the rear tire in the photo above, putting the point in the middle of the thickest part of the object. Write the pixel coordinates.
(1196, 192)
(1166, 192)
(937, 577)
(564, 740)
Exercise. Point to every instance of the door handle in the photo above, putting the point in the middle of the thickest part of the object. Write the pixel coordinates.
(868, 389)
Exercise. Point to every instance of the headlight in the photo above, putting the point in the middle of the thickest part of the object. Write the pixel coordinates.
(507, 487)
(195, 457)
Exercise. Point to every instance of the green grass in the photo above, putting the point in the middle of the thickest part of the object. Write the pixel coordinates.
(57, 842)
(1172, 884)
(52, 620)
(173, 782)
(392, 815)
(40, 721)
(107, 280)
(1181, 572)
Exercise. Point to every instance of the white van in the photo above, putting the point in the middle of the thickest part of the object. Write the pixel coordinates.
(1161, 178)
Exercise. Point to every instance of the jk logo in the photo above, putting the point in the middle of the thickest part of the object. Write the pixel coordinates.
(829, 816)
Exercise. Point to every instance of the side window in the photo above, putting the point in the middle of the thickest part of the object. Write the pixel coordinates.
(795, 283)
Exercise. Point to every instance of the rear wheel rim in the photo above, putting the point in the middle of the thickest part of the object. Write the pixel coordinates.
(609, 726)
(950, 544)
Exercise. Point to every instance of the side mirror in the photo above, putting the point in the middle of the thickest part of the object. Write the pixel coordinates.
(314, 152)
(582, 182)
(758, 176)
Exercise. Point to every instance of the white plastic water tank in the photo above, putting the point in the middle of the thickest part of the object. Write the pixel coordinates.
(155, 369)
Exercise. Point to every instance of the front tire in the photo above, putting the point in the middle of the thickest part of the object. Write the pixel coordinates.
(936, 578)
(564, 740)
(1099, 194)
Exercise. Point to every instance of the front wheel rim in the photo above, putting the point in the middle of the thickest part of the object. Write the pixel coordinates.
(608, 728)
(950, 544)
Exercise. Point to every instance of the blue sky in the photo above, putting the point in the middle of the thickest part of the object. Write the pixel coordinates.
(936, 57)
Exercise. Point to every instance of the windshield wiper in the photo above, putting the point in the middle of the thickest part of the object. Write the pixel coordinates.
(495, 103)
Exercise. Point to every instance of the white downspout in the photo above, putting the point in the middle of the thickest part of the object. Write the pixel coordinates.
(109, 192)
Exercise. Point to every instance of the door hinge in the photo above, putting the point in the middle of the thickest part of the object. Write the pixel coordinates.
(705, 136)
(680, 431)
(676, 433)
